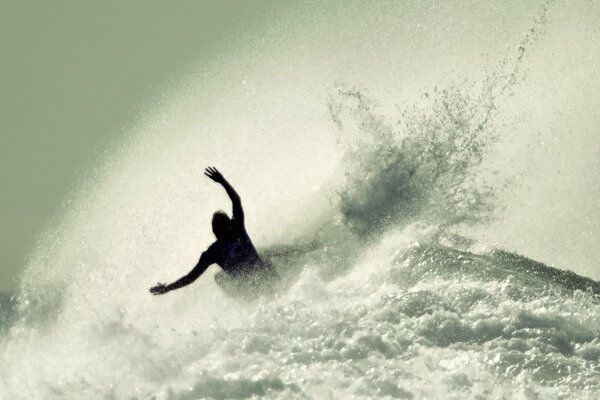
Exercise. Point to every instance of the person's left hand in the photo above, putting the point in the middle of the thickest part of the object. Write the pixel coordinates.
(161, 288)
(214, 174)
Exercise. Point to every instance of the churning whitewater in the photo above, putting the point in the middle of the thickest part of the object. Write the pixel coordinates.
(385, 296)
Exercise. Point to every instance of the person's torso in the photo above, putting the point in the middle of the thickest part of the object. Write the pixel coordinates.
(236, 254)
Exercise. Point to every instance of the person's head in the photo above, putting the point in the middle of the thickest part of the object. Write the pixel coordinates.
(221, 224)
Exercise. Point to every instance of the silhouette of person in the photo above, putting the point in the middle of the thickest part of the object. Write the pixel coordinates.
(244, 272)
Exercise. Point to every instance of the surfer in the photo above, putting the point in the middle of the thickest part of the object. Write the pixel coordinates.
(244, 272)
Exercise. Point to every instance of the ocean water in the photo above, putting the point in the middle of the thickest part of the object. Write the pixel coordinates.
(369, 212)
(411, 316)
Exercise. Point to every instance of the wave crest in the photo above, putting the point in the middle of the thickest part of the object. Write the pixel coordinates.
(424, 168)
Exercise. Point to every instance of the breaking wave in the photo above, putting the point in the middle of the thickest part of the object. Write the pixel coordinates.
(413, 318)
(384, 297)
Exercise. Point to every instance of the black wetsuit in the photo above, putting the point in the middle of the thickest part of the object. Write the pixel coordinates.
(244, 272)
(236, 255)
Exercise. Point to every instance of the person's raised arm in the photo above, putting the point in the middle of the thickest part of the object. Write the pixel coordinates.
(198, 270)
(215, 175)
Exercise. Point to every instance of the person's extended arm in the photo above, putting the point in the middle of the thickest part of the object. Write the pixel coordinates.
(215, 175)
(198, 270)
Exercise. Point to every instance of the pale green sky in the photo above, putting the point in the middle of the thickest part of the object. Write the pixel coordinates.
(73, 74)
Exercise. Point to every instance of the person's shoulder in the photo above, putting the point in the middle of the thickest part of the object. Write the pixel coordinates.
(240, 232)
(237, 222)
(212, 249)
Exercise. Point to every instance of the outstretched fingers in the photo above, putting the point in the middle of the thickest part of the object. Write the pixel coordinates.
(210, 171)
(213, 173)
(160, 288)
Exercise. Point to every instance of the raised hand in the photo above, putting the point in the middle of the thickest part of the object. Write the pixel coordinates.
(161, 288)
(214, 174)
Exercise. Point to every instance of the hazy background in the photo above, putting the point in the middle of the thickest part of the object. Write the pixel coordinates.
(75, 76)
